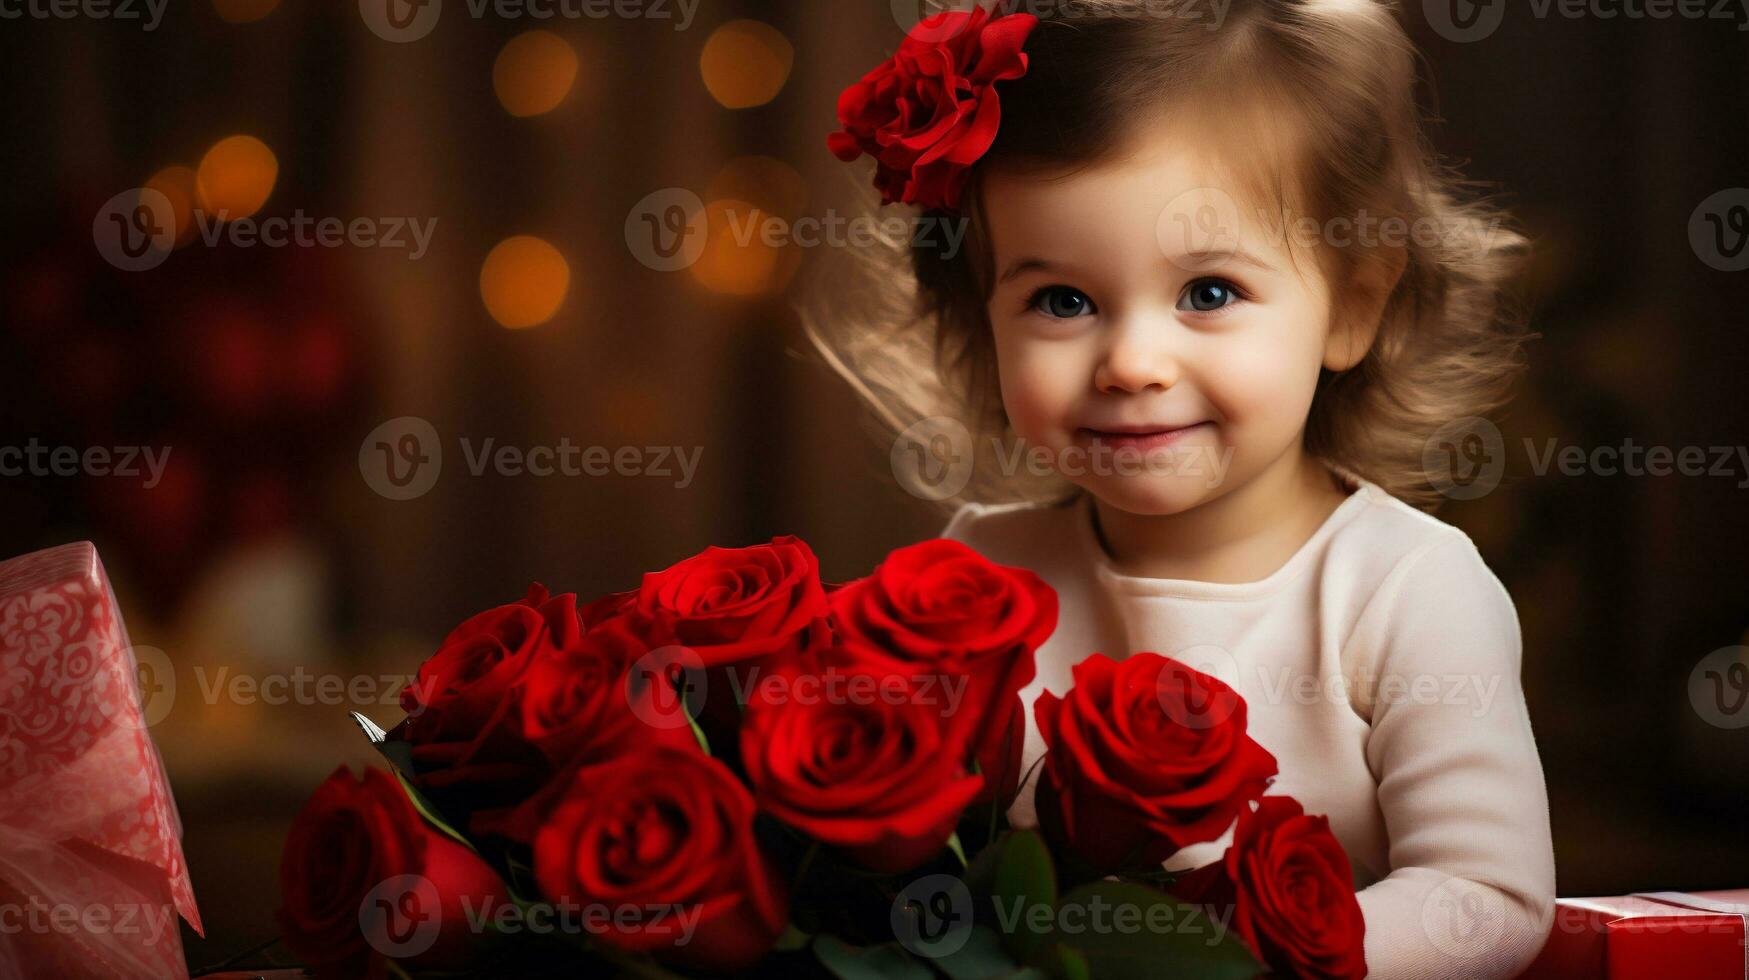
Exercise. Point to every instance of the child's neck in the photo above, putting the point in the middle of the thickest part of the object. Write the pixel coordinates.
(1240, 536)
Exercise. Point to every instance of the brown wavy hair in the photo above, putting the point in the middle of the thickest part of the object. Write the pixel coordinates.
(1312, 104)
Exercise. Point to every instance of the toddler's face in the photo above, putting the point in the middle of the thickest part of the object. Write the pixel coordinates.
(1159, 376)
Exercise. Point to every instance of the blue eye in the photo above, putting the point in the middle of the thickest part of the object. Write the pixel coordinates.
(1208, 295)
(1061, 302)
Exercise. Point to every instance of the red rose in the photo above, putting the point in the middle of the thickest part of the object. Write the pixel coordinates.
(736, 612)
(1144, 757)
(364, 878)
(931, 111)
(464, 719)
(963, 629)
(571, 707)
(859, 765)
(610, 606)
(1291, 889)
(462, 684)
(663, 841)
(733, 605)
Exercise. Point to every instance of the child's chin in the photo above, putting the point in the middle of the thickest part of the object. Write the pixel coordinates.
(1152, 495)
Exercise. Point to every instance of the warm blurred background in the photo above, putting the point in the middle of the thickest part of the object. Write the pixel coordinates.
(503, 163)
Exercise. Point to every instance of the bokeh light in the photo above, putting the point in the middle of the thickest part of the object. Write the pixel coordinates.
(746, 63)
(244, 11)
(738, 259)
(177, 184)
(236, 177)
(523, 281)
(534, 73)
(767, 183)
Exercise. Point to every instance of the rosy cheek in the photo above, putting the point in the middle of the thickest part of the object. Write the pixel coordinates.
(1037, 390)
(1262, 384)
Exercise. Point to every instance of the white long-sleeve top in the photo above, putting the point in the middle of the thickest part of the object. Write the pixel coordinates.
(1381, 668)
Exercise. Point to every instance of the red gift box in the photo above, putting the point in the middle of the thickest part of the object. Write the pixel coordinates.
(1648, 936)
(91, 869)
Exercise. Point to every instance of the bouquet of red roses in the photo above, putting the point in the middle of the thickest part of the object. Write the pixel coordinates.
(737, 769)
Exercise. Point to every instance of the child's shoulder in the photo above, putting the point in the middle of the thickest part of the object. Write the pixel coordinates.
(1400, 540)
(1412, 565)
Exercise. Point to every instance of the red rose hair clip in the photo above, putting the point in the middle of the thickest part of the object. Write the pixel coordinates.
(931, 111)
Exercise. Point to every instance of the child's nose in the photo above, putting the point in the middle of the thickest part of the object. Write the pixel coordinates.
(1138, 355)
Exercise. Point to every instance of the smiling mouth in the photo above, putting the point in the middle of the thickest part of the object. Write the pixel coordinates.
(1139, 438)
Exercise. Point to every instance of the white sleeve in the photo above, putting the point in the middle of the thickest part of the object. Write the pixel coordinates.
(1472, 886)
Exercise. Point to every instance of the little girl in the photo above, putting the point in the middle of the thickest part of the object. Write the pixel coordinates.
(1213, 277)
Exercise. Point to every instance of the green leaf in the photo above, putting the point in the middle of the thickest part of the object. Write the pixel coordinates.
(1024, 880)
(958, 849)
(697, 732)
(399, 755)
(888, 961)
(429, 813)
(1125, 931)
(982, 957)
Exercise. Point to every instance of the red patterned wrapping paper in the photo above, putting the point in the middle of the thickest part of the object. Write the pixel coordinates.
(91, 869)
